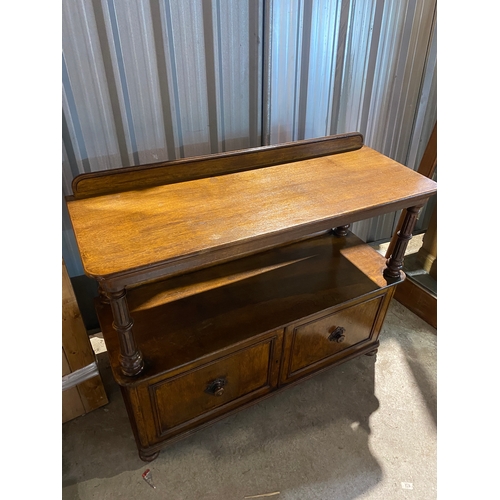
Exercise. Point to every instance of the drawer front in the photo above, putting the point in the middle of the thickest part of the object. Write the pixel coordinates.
(206, 392)
(316, 343)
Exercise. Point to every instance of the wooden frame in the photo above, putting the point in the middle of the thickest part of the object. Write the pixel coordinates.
(177, 246)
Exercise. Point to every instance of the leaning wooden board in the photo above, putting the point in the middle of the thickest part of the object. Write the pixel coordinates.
(229, 275)
(77, 355)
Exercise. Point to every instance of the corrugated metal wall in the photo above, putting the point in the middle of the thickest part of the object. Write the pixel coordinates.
(146, 81)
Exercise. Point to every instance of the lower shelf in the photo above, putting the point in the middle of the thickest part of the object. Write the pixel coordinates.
(220, 339)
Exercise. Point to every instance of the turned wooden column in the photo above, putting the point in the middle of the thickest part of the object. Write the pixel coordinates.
(130, 357)
(341, 230)
(395, 261)
(103, 296)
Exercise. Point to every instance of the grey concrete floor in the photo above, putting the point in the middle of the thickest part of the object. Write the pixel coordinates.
(365, 429)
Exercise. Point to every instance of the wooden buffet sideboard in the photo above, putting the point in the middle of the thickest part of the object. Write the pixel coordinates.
(227, 277)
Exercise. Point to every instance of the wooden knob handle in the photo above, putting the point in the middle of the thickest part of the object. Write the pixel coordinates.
(216, 387)
(337, 335)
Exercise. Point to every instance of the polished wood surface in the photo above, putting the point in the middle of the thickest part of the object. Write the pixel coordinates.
(130, 356)
(193, 316)
(242, 376)
(418, 300)
(312, 342)
(188, 169)
(427, 167)
(409, 293)
(163, 412)
(169, 229)
(226, 278)
(213, 340)
(395, 261)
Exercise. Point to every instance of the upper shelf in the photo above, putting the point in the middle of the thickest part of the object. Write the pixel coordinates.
(140, 234)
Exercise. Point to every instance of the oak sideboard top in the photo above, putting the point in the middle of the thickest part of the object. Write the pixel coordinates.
(143, 234)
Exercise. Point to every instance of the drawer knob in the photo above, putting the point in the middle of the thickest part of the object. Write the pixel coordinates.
(216, 387)
(337, 335)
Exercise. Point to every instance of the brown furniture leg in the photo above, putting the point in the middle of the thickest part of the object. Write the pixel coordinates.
(130, 357)
(148, 457)
(395, 261)
(103, 296)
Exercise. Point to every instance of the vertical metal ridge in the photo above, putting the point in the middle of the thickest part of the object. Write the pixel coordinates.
(372, 61)
(123, 80)
(412, 158)
(335, 99)
(324, 32)
(173, 67)
(378, 102)
(305, 51)
(286, 42)
(255, 48)
(111, 83)
(395, 115)
(68, 145)
(219, 104)
(138, 51)
(298, 70)
(415, 71)
(211, 45)
(267, 47)
(156, 18)
(74, 118)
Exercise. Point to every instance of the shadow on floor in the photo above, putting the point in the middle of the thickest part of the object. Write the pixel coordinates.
(314, 433)
(419, 351)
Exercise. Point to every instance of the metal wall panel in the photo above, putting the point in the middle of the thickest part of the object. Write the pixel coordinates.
(153, 80)
(86, 104)
(149, 80)
(353, 65)
(236, 77)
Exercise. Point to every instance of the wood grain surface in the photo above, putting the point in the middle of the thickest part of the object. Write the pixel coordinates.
(187, 169)
(77, 353)
(193, 316)
(169, 229)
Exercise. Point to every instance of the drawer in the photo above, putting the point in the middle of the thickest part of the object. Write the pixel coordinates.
(210, 390)
(311, 345)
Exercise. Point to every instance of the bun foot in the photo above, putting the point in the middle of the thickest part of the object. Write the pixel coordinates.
(148, 457)
(372, 353)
